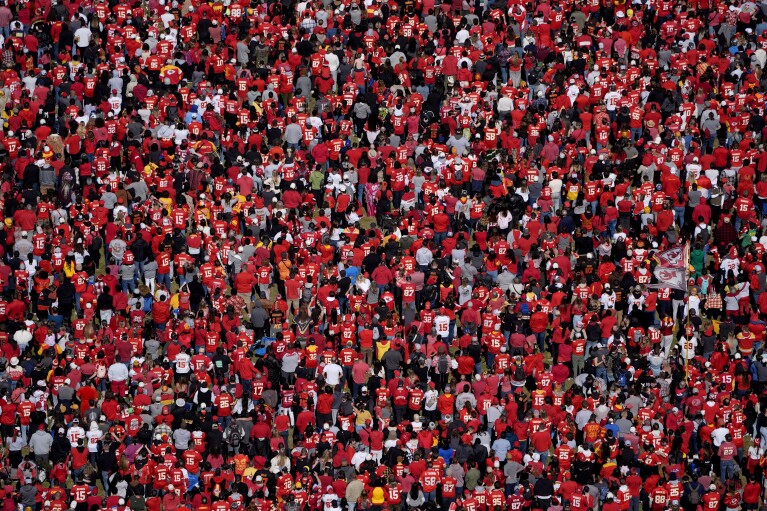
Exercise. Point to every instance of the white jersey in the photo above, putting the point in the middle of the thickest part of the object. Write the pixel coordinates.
(182, 363)
(116, 103)
(74, 434)
(93, 437)
(442, 325)
(687, 347)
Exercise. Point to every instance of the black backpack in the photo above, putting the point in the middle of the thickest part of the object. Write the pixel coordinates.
(704, 235)
(593, 332)
(443, 364)
(693, 496)
(235, 438)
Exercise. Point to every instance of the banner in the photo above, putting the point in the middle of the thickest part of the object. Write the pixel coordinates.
(674, 278)
(671, 270)
(672, 258)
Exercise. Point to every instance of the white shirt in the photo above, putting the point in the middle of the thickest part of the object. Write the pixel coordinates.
(315, 122)
(572, 93)
(363, 284)
(335, 180)
(179, 136)
(556, 187)
(504, 220)
(718, 436)
(83, 37)
(332, 374)
(505, 104)
(332, 60)
(713, 175)
(359, 458)
(117, 372)
(166, 19)
(430, 400)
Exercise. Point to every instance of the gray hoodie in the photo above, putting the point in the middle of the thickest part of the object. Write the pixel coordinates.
(40, 442)
(150, 270)
(28, 494)
(258, 316)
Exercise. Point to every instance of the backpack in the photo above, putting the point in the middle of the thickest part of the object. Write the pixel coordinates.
(528, 494)
(235, 438)
(704, 235)
(593, 332)
(614, 362)
(519, 374)
(458, 175)
(694, 496)
(171, 113)
(5, 381)
(443, 364)
(671, 235)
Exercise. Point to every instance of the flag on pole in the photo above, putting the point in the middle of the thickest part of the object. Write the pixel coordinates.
(687, 332)
(671, 270)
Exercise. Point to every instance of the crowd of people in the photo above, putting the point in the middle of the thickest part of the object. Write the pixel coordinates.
(331, 255)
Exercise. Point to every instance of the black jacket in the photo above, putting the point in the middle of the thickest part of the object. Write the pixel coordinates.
(60, 449)
(141, 249)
